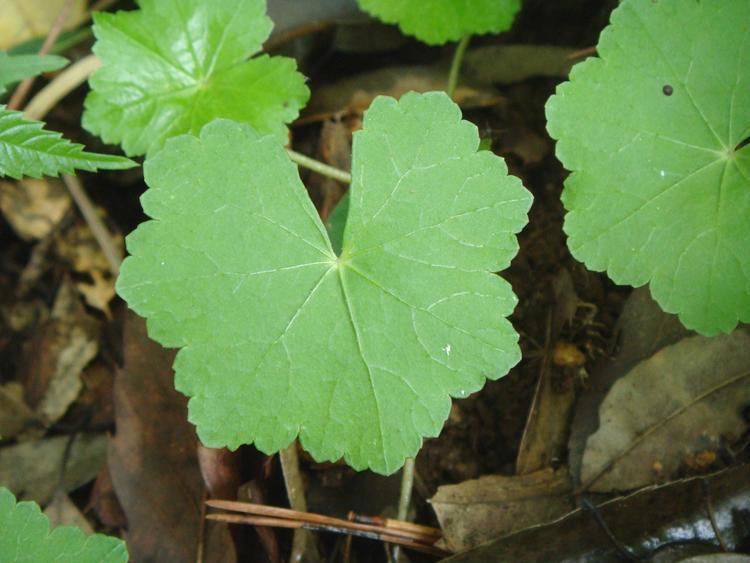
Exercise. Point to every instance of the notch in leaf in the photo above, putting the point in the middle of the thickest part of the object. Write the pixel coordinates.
(358, 354)
(174, 65)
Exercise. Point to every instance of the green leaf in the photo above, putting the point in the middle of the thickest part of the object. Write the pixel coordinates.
(175, 65)
(358, 354)
(25, 536)
(17, 67)
(652, 132)
(437, 22)
(26, 149)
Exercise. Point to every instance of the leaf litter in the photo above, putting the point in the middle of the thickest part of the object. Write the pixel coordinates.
(484, 431)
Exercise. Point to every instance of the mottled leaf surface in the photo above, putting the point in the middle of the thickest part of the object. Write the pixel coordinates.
(174, 65)
(25, 536)
(358, 354)
(655, 133)
(439, 21)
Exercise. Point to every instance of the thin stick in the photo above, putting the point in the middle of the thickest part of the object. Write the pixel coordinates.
(407, 531)
(64, 83)
(458, 57)
(98, 229)
(19, 95)
(319, 167)
(340, 528)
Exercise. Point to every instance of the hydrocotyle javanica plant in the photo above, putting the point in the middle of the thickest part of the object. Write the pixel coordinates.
(655, 132)
(358, 353)
(26, 149)
(25, 535)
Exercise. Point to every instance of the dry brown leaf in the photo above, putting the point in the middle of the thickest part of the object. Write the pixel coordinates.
(15, 414)
(32, 470)
(21, 20)
(52, 361)
(62, 512)
(493, 506)
(153, 460)
(34, 207)
(680, 401)
(99, 292)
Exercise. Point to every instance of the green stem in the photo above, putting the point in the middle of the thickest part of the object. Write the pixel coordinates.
(458, 57)
(407, 484)
(319, 167)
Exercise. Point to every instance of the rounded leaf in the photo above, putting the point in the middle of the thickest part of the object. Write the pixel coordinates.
(356, 354)
(655, 133)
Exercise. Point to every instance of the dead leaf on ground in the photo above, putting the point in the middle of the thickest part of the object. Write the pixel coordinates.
(104, 501)
(682, 400)
(15, 414)
(32, 469)
(353, 95)
(78, 247)
(493, 506)
(153, 460)
(642, 329)
(505, 64)
(53, 359)
(645, 522)
(21, 20)
(32, 207)
(62, 512)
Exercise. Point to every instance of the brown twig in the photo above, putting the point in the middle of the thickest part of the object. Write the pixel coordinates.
(409, 535)
(19, 94)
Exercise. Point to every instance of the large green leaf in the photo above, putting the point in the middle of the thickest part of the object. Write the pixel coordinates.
(26, 149)
(358, 354)
(653, 133)
(175, 65)
(17, 67)
(25, 537)
(438, 21)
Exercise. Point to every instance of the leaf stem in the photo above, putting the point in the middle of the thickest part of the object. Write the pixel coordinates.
(319, 167)
(407, 484)
(458, 57)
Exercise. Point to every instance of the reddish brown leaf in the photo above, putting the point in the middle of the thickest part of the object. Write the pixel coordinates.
(153, 460)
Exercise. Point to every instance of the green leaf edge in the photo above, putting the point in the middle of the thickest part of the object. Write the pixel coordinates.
(66, 156)
(27, 514)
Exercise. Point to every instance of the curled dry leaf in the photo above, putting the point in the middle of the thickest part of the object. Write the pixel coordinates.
(681, 401)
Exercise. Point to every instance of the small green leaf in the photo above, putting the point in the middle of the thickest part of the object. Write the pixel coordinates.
(653, 133)
(26, 149)
(437, 22)
(25, 536)
(175, 65)
(358, 354)
(17, 67)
